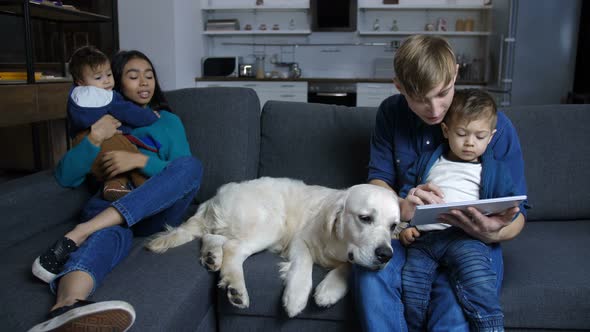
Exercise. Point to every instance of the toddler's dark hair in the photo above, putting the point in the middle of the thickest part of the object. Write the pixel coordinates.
(472, 104)
(86, 56)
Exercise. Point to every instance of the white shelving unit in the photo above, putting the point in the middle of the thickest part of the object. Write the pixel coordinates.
(293, 18)
(256, 32)
(423, 7)
(413, 18)
(440, 33)
(270, 13)
(376, 20)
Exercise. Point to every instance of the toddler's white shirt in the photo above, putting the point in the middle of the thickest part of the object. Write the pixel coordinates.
(459, 182)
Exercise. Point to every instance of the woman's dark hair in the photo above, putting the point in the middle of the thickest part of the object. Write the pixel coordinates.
(119, 61)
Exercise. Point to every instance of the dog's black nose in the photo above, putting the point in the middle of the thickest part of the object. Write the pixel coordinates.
(384, 254)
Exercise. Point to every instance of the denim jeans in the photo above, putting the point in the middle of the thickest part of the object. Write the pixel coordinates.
(468, 264)
(162, 199)
(378, 296)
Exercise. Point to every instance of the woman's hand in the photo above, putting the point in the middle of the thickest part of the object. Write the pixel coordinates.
(488, 229)
(408, 235)
(117, 162)
(103, 129)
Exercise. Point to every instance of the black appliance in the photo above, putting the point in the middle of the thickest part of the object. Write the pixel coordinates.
(335, 93)
(333, 15)
(218, 66)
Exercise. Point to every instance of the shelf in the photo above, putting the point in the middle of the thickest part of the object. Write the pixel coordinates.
(28, 103)
(39, 81)
(285, 7)
(439, 33)
(53, 13)
(250, 5)
(257, 32)
(426, 7)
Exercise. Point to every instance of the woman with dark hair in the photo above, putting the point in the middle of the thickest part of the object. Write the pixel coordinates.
(158, 100)
(85, 255)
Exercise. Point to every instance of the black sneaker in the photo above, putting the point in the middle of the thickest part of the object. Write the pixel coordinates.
(115, 316)
(48, 265)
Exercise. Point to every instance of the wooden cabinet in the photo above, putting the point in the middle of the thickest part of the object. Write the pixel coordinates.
(38, 38)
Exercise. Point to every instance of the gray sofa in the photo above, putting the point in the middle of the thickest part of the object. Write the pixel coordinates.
(547, 273)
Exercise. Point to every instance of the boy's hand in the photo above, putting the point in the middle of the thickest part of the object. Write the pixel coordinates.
(421, 195)
(407, 209)
(117, 162)
(408, 235)
(487, 229)
(104, 129)
(427, 193)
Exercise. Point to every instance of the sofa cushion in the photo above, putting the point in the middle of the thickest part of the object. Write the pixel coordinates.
(265, 289)
(320, 144)
(556, 153)
(223, 129)
(546, 275)
(170, 292)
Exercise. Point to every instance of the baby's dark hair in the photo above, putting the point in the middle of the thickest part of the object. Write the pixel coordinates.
(472, 104)
(86, 56)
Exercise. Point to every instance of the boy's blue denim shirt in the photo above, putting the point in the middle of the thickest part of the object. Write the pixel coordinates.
(400, 137)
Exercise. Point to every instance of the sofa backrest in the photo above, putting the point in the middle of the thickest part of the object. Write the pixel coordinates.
(320, 144)
(555, 143)
(223, 129)
(329, 145)
(35, 204)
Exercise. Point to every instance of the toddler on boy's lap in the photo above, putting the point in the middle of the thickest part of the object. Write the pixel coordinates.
(91, 99)
(464, 169)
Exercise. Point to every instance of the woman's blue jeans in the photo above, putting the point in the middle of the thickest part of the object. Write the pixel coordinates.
(378, 296)
(162, 199)
(468, 265)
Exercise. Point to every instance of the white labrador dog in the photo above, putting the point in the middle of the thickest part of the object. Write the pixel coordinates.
(305, 224)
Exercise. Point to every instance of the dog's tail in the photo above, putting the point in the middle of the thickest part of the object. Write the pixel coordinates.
(172, 237)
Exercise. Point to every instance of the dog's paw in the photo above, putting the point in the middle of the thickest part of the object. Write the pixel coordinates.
(294, 302)
(237, 296)
(328, 292)
(211, 260)
(158, 243)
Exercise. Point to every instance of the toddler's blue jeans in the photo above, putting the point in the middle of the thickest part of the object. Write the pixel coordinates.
(468, 264)
(378, 296)
(162, 199)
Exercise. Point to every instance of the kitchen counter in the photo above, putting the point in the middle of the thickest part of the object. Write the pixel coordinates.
(315, 79)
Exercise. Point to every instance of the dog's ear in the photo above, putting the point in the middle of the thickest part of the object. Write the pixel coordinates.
(334, 213)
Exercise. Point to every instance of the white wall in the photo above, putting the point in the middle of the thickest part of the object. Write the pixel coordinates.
(168, 32)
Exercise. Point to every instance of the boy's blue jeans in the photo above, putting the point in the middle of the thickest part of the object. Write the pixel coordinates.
(468, 265)
(163, 199)
(378, 296)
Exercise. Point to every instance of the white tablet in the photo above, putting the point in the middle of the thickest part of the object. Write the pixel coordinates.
(427, 214)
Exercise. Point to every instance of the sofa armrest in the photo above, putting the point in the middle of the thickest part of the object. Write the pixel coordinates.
(34, 203)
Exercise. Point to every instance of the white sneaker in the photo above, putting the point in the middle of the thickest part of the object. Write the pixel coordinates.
(88, 316)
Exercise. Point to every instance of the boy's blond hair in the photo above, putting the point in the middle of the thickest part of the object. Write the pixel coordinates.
(422, 62)
(472, 104)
